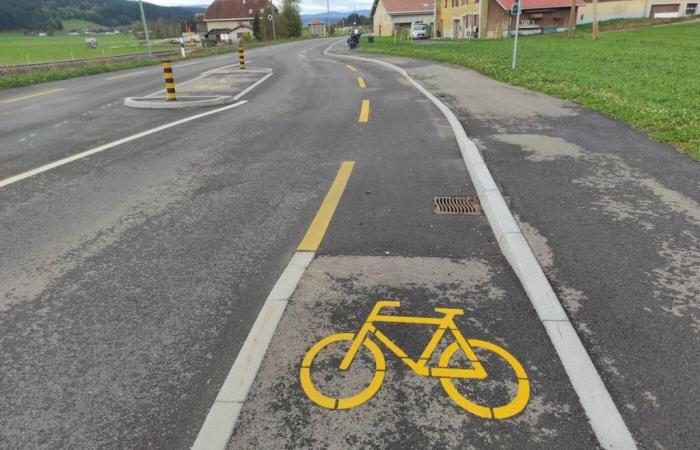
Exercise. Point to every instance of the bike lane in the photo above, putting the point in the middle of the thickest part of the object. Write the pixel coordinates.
(386, 243)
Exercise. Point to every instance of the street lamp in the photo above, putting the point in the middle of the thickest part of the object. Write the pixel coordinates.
(145, 29)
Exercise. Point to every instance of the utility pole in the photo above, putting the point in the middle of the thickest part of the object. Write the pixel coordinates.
(145, 30)
(328, 14)
(434, 18)
(572, 19)
(595, 19)
(517, 32)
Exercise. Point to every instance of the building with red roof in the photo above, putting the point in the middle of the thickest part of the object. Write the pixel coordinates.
(392, 16)
(536, 16)
(233, 18)
(317, 28)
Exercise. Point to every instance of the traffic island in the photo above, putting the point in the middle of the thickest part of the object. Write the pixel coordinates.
(216, 87)
(182, 102)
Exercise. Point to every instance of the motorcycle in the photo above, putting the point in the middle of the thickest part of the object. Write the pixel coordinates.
(354, 40)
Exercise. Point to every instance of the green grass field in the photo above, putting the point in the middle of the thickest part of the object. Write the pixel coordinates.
(646, 77)
(17, 48)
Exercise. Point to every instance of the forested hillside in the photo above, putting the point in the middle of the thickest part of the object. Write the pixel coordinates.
(47, 14)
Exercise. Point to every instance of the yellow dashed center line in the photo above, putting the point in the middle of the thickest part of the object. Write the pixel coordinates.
(317, 229)
(351, 68)
(25, 97)
(364, 112)
(361, 82)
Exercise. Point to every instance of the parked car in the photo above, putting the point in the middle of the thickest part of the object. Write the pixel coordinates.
(419, 31)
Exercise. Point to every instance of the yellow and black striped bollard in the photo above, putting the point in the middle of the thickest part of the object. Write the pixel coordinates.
(241, 56)
(169, 80)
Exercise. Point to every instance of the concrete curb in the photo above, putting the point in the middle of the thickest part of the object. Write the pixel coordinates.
(149, 103)
(605, 419)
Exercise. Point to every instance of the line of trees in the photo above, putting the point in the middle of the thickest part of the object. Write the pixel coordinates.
(47, 14)
(355, 19)
(287, 22)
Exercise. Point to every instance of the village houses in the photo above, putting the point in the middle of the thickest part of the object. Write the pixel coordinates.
(463, 19)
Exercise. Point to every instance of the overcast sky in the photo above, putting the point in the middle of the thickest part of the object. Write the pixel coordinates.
(307, 6)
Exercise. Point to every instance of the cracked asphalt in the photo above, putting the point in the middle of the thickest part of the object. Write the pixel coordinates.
(130, 279)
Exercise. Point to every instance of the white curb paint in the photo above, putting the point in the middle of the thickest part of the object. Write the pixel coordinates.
(186, 101)
(606, 421)
(101, 148)
(221, 420)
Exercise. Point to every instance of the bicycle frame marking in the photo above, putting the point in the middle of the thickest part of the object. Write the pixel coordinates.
(420, 366)
(444, 324)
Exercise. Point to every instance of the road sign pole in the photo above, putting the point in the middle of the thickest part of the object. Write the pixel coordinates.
(328, 15)
(517, 32)
(145, 29)
(271, 18)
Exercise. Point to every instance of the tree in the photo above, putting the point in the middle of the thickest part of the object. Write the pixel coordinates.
(290, 13)
(355, 19)
(256, 27)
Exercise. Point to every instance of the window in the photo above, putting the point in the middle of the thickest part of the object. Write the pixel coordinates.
(250, 11)
(691, 9)
(445, 4)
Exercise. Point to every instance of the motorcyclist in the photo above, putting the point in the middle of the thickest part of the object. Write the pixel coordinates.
(354, 39)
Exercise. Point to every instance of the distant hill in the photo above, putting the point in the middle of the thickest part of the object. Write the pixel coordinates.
(48, 14)
(334, 15)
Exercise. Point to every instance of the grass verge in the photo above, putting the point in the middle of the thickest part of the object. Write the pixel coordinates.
(12, 80)
(645, 77)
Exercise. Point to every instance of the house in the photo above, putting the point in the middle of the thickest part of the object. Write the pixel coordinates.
(231, 19)
(392, 16)
(317, 28)
(458, 19)
(462, 19)
(634, 9)
(535, 17)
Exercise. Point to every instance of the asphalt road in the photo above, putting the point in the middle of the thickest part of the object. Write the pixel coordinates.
(130, 279)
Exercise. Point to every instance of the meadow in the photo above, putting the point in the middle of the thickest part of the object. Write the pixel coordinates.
(647, 77)
(18, 48)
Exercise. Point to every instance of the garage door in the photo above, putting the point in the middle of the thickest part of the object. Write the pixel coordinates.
(665, 11)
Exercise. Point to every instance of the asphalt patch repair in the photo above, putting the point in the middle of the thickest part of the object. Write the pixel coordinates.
(404, 406)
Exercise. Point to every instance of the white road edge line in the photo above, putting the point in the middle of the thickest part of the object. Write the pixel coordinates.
(221, 420)
(101, 148)
(605, 418)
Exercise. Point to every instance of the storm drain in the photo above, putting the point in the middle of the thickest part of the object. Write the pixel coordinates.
(456, 205)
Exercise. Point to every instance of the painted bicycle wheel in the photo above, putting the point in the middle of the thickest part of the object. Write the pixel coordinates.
(510, 409)
(351, 401)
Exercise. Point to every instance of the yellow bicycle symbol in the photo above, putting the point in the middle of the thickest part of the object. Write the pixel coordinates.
(443, 372)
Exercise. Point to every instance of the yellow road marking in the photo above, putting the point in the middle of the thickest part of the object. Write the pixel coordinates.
(364, 112)
(369, 336)
(361, 82)
(317, 229)
(25, 97)
(351, 68)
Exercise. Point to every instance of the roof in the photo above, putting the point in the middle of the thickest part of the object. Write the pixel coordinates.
(315, 22)
(235, 9)
(540, 4)
(394, 7)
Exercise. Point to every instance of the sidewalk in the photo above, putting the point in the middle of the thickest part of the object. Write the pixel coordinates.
(614, 219)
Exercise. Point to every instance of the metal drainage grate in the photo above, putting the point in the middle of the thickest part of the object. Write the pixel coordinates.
(456, 205)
